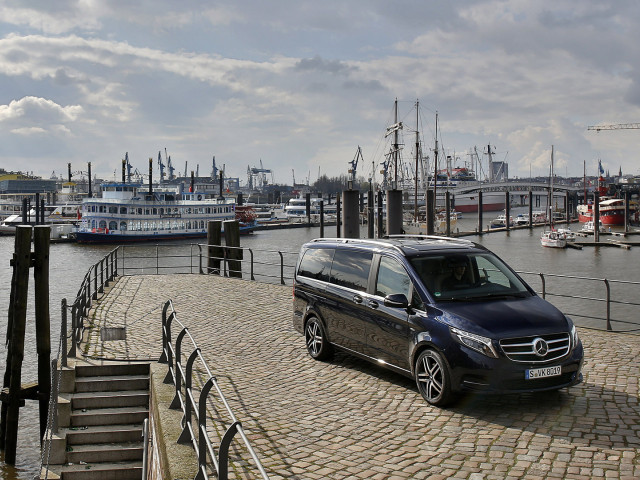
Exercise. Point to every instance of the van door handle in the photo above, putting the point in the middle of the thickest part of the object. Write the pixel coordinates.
(357, 299)
(373, 304)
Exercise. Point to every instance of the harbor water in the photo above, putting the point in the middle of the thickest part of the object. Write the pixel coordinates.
(69, 263)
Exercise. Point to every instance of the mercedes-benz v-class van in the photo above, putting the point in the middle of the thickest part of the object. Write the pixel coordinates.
(447, 312)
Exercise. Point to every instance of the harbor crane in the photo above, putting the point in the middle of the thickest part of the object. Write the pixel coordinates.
(214, 169)
(257, 177)
(171, 168)
(614, 126)
(354, 163)
(161, 166)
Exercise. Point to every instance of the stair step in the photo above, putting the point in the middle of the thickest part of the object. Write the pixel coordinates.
(96, 434)
(122, 398)
(113, 369)
(97, 471)
(112, 383)
(105, 452)
(109, 416)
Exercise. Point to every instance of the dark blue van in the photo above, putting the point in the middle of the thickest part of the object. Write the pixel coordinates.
(447, 312)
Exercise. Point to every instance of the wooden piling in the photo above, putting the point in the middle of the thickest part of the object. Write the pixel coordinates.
(480, 211)
(214, 242)
(234, 254)
(338, 215)
(20, 285)
(41, 241)
(321, 203)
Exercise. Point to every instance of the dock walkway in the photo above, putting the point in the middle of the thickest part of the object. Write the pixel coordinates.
(349, 419)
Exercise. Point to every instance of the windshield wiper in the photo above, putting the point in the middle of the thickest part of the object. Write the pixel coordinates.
(494, 296)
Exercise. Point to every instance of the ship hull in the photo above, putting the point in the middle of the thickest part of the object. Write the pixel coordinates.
(491, 202)
(119, 238)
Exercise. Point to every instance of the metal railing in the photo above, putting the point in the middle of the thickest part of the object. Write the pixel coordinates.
(181, 374)
(593, 302)
(270, 265)
(94, 283)
(612, 302)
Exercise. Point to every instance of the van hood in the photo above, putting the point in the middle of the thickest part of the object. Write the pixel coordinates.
(512, 317)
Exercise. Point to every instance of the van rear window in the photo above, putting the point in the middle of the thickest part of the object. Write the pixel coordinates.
(316, 263)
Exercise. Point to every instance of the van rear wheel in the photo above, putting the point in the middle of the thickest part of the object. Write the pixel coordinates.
(318, 346)
(432, 378)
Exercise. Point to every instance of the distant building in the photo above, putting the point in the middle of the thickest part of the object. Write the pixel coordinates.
(12, 183)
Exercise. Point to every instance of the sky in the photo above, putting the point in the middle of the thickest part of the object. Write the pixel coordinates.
(298, 86)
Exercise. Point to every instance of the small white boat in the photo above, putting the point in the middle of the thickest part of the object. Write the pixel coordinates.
(553, 239)
(589, 227)
(501, 221)
(522, 219)
(568, 234)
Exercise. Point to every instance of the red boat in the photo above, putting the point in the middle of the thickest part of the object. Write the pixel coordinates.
(585, 211)
(612, 211)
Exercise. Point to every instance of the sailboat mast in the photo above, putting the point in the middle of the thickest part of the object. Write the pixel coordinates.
(435, 168)
(415, 195)
(395, 148)
(584, 179)
(551, 192)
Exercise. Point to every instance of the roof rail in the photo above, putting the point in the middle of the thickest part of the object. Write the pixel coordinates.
(462, 241)
(368, 241)
(380, 242)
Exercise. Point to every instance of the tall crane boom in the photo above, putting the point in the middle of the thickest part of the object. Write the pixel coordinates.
(615, 126)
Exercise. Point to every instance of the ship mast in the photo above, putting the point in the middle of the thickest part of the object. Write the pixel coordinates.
(415, 178)
(435, 168)
(395, 148)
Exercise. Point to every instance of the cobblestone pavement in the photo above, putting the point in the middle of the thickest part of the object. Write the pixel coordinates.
(349, 419)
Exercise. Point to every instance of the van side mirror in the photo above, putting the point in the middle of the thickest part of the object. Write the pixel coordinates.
(396, 300)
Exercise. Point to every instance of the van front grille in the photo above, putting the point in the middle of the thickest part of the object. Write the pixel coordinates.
(536, 349)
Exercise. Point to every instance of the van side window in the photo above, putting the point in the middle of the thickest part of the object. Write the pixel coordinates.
(316, 263)
(392, 278)
(351, 269)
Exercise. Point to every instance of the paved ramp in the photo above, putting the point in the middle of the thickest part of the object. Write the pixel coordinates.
(349, 419)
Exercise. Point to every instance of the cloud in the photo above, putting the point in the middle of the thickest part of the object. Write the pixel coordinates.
(40, 109)
(282, 81)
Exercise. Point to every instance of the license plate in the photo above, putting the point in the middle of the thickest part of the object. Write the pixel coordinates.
(532, 373)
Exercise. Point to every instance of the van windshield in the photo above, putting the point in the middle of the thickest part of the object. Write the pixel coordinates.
(467, 277)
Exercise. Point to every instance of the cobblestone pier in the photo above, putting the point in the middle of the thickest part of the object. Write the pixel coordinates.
(349, 419)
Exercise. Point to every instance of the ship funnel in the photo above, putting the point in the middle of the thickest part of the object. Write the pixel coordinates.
(89, 173)
(150, 176)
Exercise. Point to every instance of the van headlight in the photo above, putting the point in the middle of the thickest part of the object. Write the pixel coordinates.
(574, 337)
(474, 342)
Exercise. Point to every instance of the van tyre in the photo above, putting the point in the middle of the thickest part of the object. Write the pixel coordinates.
(433, 378)
(317, 344)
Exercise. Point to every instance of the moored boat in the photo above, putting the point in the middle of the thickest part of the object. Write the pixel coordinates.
(126, 213)
(589, 227)
(501, 221)
(553, 239)
(53, 214)
(569, 234)
(296, 209)
(612, 211)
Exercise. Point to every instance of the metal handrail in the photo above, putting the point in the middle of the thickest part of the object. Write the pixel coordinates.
(117, 262)
(97, 278)
(607, 300)
(225, 270)
(181, 376)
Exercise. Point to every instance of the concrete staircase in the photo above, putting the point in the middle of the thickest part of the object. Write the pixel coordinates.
(100, 422)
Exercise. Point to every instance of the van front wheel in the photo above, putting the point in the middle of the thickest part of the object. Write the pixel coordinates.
(433, 379)
(317, 344)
